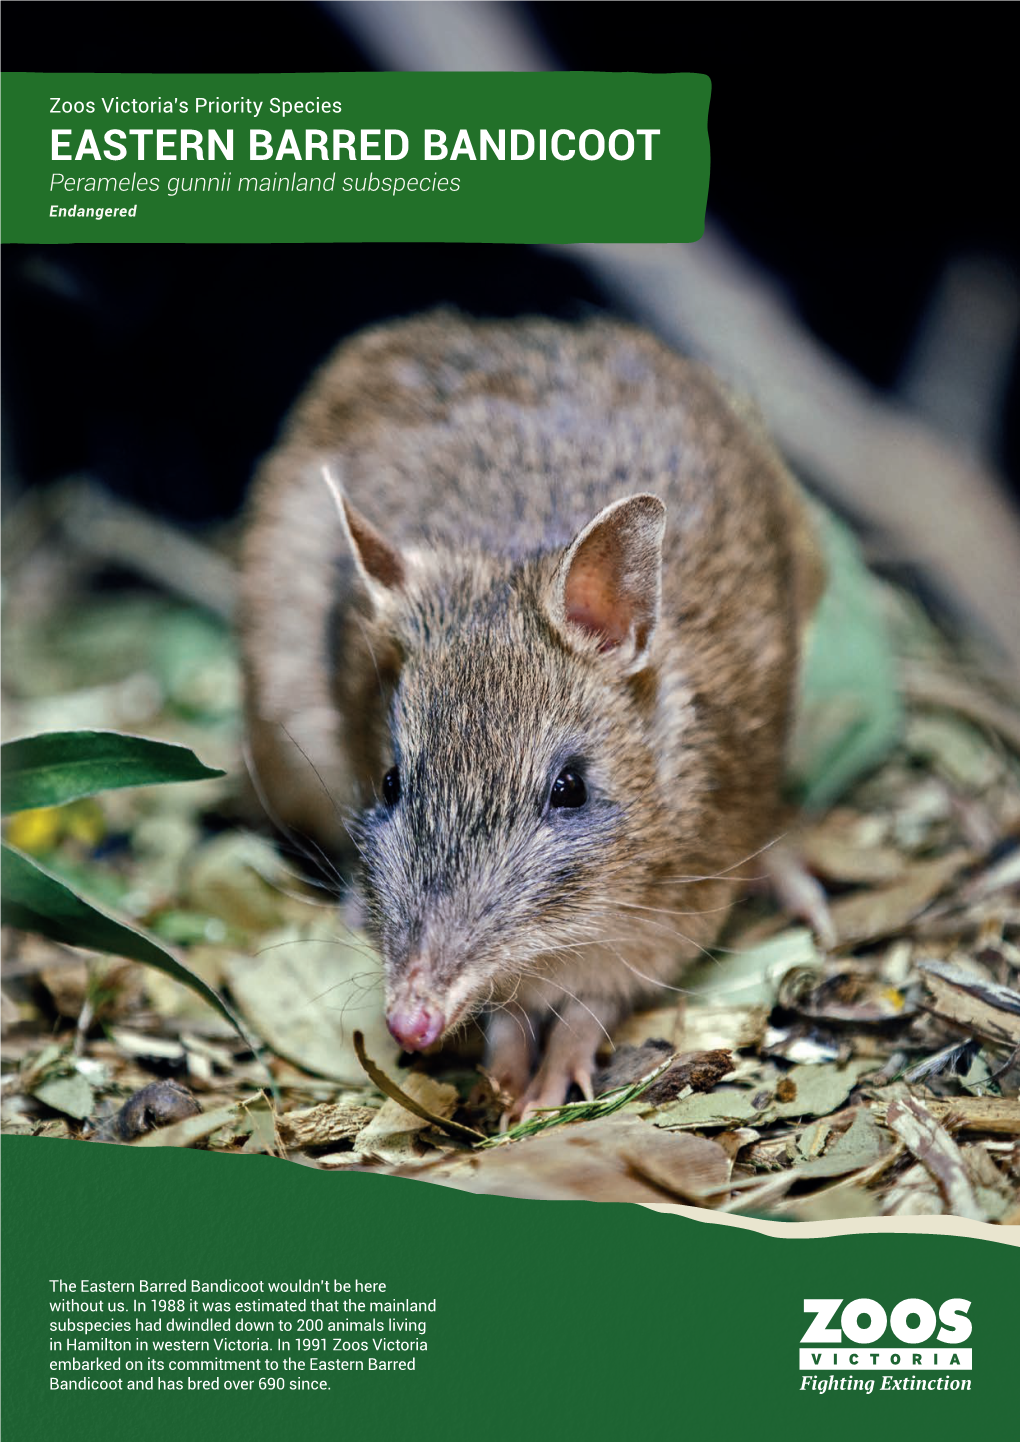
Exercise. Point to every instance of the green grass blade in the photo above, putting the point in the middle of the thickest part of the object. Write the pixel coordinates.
(36, 900)
(582, 1111)
(60, 766)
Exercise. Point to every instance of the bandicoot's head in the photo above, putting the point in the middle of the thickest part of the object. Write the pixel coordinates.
(515, 787)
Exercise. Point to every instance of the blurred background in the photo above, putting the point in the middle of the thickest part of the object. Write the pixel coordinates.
(859, 274)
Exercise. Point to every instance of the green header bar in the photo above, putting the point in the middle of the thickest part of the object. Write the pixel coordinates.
(555, 157)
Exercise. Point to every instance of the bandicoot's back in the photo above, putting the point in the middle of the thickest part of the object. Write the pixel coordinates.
(533, 650)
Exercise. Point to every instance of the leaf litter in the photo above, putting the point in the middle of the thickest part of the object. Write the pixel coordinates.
(873, 1076)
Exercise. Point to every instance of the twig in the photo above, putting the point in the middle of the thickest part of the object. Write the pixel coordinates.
(382, 1081)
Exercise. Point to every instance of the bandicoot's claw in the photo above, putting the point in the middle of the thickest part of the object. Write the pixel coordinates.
(569, 1060)
(547, 1091)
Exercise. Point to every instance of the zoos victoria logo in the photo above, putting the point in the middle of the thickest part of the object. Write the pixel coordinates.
(912, 1338)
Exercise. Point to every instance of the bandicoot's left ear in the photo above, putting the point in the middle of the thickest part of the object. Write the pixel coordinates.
(379, 565)
(608, 586)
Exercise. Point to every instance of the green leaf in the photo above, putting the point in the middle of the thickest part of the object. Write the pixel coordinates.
(60, 766)
(849, 711)
(36, 900)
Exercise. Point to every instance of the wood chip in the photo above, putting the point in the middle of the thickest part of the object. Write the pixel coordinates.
(696, 1028)
(999, 1116)
(324, 1125)
(977, 1007)
(696, 1071)
(935, 1149)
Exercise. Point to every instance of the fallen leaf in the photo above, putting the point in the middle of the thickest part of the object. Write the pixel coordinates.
(724, 1107)
(848, 847)
(261, 1124)
(307, 990)
(750, 977)
(868, 915)
(859, 1146)
(392, 1134)
(816, 1091)
(820, 1090)
(582, 1159)
(196, 1129)
(69, 1094)
(231, 876)
(691, 1167)
(827, 1206)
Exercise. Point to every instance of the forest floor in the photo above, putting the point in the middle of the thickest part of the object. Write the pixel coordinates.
(874, 1075)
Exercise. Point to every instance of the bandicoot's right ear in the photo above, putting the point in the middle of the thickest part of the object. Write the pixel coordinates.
(381, 566)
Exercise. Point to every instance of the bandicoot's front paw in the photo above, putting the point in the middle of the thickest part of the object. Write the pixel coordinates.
(508, 1058)
(550, 1088)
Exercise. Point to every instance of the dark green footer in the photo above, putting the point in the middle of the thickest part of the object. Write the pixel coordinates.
(551, 1318)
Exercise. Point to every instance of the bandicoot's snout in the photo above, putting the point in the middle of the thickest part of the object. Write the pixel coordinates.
(412, 1015)
(415, 1027)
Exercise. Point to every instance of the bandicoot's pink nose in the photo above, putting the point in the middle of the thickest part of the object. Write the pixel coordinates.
(415, 1028)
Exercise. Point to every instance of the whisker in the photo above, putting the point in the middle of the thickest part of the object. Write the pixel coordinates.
(296, 839)
(671, 911)
(325, 789)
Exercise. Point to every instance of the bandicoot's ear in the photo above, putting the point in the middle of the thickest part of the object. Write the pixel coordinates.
(608, 586)
(380, 565)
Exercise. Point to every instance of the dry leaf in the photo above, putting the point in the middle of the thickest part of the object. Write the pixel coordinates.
(806, 1091)
(391, 1135)
(691, 1167)
(869, 915)
(750, 977)
(859, 1146)
(582, 1159)
(306, 992)
(849, 847)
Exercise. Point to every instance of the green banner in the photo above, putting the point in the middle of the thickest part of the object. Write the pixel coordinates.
(355, 157)
(170, 1294)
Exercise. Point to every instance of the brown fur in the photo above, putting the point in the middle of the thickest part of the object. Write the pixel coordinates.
(443, 623)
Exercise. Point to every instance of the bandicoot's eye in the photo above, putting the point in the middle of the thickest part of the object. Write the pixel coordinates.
(568, 789)
(391, 787)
